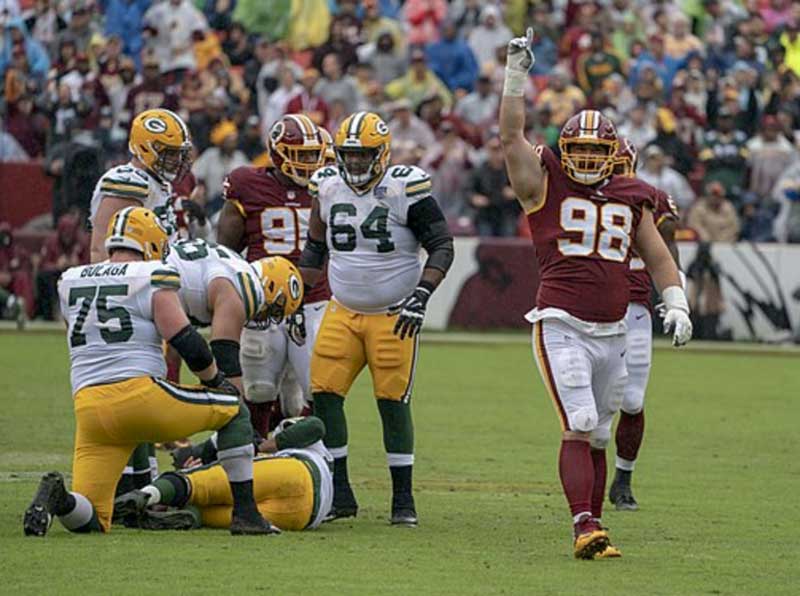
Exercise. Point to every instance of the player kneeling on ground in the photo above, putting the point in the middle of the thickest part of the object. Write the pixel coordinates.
(293, 487)
(118, 313)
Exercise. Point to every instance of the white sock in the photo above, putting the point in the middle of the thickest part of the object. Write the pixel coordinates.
(626, 465)
(80, 515)
(577, 518)
(154, 494)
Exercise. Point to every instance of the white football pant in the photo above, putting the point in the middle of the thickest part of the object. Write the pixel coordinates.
(584, 375)
(273, 365)
(638, 356)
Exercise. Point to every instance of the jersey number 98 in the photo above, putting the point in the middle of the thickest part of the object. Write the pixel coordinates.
(605, 231)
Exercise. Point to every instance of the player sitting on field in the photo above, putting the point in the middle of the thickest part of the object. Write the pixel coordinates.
(119, 312)
(293, 487)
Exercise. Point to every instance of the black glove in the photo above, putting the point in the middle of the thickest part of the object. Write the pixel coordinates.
(296, 326)
(220, 384)
(194, 211)
(412, 312)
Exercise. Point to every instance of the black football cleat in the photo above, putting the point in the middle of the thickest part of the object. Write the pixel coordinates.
(129, 506)
(171, 519)
(252, 526)
(51, 496)
(404, 518)
(404, 513)
(622, 497)
(344, 503)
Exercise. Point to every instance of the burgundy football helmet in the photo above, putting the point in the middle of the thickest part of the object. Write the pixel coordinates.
(588, 144)
(296, 147)
(627, 161)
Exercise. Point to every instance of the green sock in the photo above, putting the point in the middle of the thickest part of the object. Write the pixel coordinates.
(140, 462)
(329, 408)
(237, 433)
(398, 440)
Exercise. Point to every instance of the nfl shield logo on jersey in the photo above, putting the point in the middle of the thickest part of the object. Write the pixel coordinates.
(380, 193)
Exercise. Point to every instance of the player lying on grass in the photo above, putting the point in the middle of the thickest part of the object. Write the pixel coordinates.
(293, 486)
(119, 312)
(584, 222)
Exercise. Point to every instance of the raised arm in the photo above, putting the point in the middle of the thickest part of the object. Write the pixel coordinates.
(524, 168)
(664, 271)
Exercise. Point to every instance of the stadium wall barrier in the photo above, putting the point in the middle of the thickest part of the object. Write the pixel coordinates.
(493, 283)
(25, 192)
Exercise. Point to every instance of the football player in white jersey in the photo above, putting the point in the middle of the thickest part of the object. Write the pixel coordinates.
(160, 148)
(370, 220)
(119, 312)
(293, 484)
(219, 288)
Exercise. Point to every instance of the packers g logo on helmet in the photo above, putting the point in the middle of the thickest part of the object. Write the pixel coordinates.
(155, 125)
(160, 140)
(138, 229)
(362, 150)
(283, 288)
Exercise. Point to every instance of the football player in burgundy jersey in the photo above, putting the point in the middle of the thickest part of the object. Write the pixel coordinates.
(584, 222)
(266, 211)
(639, 338)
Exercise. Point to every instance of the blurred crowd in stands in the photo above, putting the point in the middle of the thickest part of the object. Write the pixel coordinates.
(708, 90)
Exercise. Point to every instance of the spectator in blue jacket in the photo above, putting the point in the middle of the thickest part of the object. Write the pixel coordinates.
(665, 65)
(124, 19)
(452, 59)
(17, 36)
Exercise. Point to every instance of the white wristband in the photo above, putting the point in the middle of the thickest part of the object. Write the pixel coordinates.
(675, 297)
(514, 85)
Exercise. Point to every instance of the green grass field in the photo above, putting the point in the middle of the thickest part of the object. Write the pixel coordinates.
(717, 481)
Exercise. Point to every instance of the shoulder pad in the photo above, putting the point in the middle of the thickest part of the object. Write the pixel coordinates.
(127, 182)
(416, 181)
(165, 277)
(319, 177)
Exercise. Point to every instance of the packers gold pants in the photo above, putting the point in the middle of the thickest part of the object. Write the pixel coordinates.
(283, 488)
(112, 419)
(347, 341)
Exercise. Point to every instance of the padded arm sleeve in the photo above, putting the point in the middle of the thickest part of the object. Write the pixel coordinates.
(427, 222)
(314, 254)
(192, 348)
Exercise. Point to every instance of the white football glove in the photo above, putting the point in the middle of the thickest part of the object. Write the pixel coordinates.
(677, 316)
(520, 57)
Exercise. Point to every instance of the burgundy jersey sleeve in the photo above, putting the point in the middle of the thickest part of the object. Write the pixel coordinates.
(664, 208)
(584, 237)
(276, 218)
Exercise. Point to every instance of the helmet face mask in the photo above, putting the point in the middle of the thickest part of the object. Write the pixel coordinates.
(588, 143)
(172, 163)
